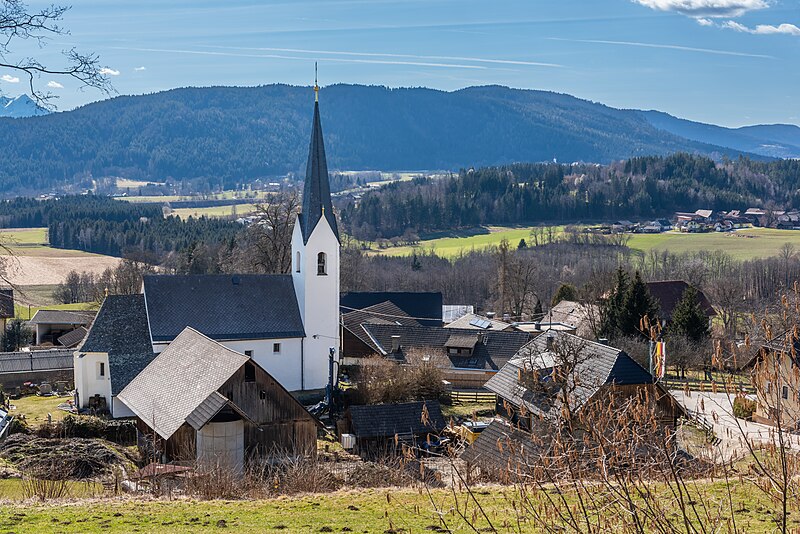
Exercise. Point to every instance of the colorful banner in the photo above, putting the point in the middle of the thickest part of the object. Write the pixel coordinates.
(660, 360)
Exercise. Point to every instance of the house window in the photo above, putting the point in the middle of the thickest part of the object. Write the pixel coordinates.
(101, 369)
(769, 387)
(249, 372)
(262, 395)
(785, 392)
(276, 348)
(297, 262)
(321, 264)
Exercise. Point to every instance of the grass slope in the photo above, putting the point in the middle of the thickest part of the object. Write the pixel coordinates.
(368, 511)
(743, 244)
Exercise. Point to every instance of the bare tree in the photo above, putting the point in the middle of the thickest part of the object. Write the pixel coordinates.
(19, 22)
(269, 240)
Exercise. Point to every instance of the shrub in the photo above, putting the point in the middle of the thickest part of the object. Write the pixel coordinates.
(743, 408)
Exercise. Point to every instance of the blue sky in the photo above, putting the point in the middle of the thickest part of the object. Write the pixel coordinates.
(729, 62)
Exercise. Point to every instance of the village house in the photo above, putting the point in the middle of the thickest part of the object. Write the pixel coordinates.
(560, 370)
(466, 357)
(581, 316)
(472, 321)
(425, 307)
(773, 369)
(668, 293)
(199, 400)
(50, 325)
(288, 324)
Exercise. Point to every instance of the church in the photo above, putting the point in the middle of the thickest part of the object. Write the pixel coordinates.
(288, 324)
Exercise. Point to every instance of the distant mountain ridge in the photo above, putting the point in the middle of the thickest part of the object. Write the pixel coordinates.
(20, 107)
(223, 136)
(772, 140)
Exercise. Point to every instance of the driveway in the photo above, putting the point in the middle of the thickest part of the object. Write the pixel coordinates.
(716, 409)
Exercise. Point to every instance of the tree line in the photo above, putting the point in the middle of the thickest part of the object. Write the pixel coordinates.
(530, 193)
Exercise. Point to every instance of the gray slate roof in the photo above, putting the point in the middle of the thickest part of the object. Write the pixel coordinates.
(388, 420)
(223, 307)
(121, 330)
(425, 307)
(502, 447)
(495, 349)
(120, 327)
(62, 317)
(179, 380)
(72, 338)
(317, 188)
(598, 365)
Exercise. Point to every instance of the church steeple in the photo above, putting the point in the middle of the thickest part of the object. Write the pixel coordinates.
(317, 188)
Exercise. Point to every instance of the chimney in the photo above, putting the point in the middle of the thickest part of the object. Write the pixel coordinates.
(490, 315)
(395, 343)
(550, 338)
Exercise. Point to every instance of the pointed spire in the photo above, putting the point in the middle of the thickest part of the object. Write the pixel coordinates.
(317, 188)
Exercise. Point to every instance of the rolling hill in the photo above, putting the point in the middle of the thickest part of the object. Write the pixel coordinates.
(230, 135)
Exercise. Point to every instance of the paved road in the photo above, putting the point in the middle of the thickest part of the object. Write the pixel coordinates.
(717, 410)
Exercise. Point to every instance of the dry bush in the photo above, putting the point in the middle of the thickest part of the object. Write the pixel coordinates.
(44, 489)
(381, 380)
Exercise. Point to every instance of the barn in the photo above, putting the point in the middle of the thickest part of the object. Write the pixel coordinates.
(201, 401)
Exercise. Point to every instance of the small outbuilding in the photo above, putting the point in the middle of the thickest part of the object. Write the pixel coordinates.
(382, 427)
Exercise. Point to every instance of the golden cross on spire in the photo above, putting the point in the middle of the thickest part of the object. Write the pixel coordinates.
(316, 85)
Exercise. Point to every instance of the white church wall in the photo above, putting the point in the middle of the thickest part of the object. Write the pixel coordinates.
(91, 376)
(283, 365)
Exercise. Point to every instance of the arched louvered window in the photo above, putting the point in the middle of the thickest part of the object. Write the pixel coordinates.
(322, 264)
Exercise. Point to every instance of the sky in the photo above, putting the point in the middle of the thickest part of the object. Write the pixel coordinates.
(727, 62)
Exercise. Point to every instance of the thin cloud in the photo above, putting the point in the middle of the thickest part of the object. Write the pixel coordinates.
(407, 56)
(54, 85)
(706, 8)
(298, 58)
(666, 46)
(109, 72)
(139, 69)
(705, 22)
(763, 29)
(8, 78)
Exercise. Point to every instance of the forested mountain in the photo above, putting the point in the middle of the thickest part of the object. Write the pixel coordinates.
(533, 193)
(774, 140)
(229, 135)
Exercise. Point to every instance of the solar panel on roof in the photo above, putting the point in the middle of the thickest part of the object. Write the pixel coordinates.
(481, 323)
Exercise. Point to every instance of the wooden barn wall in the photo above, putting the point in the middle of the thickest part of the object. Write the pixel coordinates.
(280, 421)
(352, 347)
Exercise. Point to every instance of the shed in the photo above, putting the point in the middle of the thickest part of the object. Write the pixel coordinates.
(379, 427)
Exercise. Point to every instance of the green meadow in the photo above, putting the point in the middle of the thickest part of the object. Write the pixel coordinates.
(744, 244)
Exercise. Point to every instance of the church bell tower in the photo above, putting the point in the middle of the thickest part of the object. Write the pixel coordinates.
(315, 263)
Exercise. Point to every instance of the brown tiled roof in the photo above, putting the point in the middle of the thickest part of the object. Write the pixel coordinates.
(669, 292)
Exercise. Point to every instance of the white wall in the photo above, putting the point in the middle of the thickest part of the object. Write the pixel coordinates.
(318, 299)
(88, 381)
(283, 366)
